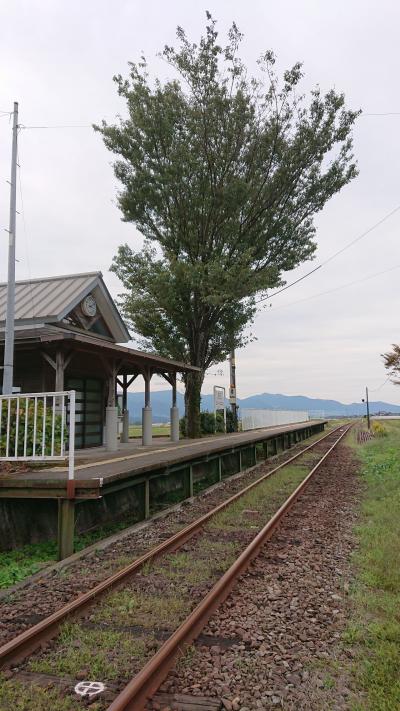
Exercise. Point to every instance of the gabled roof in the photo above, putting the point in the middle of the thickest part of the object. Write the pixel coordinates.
(51, 299)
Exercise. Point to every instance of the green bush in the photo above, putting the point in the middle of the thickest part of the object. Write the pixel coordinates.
(28, 415)
(378, 429)
(210, 425)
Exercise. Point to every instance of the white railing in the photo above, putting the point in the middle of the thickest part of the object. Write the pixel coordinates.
(255, 419)
(38, 427)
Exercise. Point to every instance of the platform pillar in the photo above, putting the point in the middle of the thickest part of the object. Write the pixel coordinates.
(111, 429)
(174, 415)
(147, 426)
(125, 427)
(66, 526)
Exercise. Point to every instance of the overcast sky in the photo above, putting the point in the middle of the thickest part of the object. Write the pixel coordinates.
(58, 58)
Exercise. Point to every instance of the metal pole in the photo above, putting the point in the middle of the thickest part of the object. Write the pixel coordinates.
(368, 420)
(9, 334)
(232, 389)
(71, 439)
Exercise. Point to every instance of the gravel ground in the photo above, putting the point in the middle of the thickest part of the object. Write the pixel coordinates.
(288, 611)
(43, 596)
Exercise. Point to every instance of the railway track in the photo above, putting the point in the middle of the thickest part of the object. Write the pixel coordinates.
(140, 619)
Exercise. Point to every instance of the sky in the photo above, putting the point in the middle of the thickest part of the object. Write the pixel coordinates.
(57, 59)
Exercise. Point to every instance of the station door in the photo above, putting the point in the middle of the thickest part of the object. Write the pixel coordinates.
(89, 411)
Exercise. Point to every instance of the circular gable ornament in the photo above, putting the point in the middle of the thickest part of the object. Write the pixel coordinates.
(89, 306)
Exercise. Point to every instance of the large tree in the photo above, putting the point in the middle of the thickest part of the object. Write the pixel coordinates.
(392, 363)
(222, 174)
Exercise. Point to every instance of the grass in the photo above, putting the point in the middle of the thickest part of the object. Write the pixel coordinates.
(158, 430)
(264, 499)
(15, 696)
(18, 564)
(374, 631)
(104, 654)
(127, 607)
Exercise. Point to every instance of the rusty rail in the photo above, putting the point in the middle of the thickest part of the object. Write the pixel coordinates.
(147, 681)
(25, 643)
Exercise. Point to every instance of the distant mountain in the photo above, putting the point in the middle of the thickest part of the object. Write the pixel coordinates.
(161, 403)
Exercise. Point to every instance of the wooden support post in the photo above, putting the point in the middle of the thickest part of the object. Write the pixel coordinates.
(59, 371)
(255, 454)
(147, 498)
(219, 468)
(240, 460)
(66, 526)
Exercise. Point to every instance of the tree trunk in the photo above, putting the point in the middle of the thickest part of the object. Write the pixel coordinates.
(194, 381)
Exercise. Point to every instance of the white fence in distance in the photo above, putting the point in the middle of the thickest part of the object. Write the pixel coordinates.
(256, 419)
(38, 427)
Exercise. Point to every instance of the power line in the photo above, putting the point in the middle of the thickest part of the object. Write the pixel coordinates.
(381, 385)
(333, 256)
(86, 125)
(339, 288)
(363, 234)
(386, 113)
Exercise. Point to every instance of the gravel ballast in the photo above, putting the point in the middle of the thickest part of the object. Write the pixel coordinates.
(288, 611)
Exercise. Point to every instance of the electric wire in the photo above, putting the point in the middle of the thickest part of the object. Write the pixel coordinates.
(86, 125)
(339, 288)
(380, 386)
(334, 255)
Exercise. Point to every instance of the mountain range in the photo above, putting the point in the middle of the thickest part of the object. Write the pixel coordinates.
(161, 403)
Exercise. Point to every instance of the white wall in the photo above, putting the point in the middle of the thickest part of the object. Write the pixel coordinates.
(254, 419)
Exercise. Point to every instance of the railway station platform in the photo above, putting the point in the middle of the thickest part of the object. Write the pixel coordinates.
(130, 484)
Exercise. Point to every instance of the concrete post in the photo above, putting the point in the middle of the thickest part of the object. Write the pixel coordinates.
(174, 415)
(125, 427)
(147, 428)
(111, 438)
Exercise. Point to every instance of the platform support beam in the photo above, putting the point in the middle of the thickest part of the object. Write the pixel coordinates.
(66, 526)
(147, 498)
(188, 489)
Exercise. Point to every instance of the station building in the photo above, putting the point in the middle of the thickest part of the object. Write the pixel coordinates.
(68, 336)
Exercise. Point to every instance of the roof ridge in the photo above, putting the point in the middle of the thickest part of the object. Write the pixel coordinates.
(55, 278)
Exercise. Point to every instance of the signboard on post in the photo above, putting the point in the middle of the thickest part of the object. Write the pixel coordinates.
(219, 402)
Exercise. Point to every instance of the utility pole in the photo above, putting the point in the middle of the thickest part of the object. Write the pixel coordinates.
(232, 389)
(367, 404)
(368, 420)
(9, 335)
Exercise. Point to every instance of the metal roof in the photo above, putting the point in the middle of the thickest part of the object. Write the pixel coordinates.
(50, 299)
(129, 358)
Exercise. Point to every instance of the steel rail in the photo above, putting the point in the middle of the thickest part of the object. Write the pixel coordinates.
(141, 688)
(25, 643)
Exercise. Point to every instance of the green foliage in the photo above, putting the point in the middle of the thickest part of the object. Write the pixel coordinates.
(208, 425)
(34, 440)
(207, 422)
(378, 429)
(222, 174)
(376, 628)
